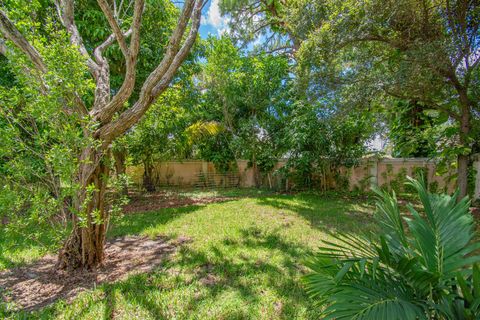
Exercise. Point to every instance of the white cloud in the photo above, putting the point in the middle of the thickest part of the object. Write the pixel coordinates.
(215, 18)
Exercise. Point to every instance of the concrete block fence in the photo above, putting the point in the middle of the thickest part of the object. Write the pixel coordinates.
(385, 172)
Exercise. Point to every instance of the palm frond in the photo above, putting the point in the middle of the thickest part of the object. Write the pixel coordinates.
(417, 268)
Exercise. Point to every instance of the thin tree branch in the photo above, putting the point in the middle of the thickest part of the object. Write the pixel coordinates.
(117, 31)
(65, 9)
(3, 47)
(160, 78)
(8, 29)
(172, 49)
(105, 113)
(182, 54)
(97, 53)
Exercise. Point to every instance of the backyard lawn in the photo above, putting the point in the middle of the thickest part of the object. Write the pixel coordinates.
(240, 258)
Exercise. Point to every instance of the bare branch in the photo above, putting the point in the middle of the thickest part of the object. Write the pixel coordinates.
(65, 10)
(97, 53)
(181, 55)
(115, 9)
(119, 8)
(3, 47)
(160, 78)
(8, 29)
(128, 7)
(172, 49)
(105, 113)
(284, 49)
(136, 24)
(114, 25)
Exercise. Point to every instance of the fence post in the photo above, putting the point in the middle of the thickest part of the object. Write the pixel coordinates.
(476, 167)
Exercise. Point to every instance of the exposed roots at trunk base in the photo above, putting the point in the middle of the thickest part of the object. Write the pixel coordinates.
(82, 249)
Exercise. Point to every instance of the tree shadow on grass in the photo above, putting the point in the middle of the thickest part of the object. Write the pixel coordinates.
(248, 276)
(138, 222)
(259, 268)
(18, 245)
(40, 284)
(254, 276)
(327, 214)
(244, 273)
(11, 242)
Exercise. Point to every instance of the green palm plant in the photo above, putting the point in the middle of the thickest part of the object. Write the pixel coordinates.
(420, 266)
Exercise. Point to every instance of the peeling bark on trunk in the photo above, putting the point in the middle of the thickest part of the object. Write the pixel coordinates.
(84, 246)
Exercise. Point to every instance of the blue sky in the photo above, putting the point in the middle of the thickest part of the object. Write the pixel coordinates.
(212, 21)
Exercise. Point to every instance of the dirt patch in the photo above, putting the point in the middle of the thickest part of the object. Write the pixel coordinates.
(36, 285)
(159, 200)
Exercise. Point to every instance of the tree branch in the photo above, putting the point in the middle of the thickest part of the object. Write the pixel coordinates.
(3, 47)
(8, 29)
(182, 54)
(97, 53)
(65, 11)
(172, 49)
(160, 78)
(104, 113)
(117, 31)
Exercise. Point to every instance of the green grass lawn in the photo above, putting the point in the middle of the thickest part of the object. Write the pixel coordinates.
(244, 260)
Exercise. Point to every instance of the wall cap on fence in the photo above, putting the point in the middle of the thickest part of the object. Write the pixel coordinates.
(401, 160)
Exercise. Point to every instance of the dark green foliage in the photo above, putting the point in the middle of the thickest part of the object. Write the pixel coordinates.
(414, 129)
(248, 97)
(421, 266)
(322, 140)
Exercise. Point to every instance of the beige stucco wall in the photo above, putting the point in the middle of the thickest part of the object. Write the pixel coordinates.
(195, 174)
(383, 172)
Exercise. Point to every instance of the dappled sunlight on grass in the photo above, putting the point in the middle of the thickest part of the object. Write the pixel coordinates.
(328, 215)
(28, 243)
(244, 260)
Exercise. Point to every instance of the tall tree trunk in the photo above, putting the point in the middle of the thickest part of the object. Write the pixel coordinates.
(463, 159)
(119, 155)
(148, 182)
(84, 248)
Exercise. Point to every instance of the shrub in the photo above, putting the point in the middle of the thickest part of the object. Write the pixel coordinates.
(421, 266)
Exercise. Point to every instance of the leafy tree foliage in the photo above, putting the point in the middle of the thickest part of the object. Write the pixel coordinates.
(162, 133)
(39, 139)
(415, 130)
(249, 97)
(320, 141)
(108, 108)
(426, 51)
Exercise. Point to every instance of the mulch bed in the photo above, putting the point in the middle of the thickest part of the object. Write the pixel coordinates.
(160, 200)
(36, 285)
